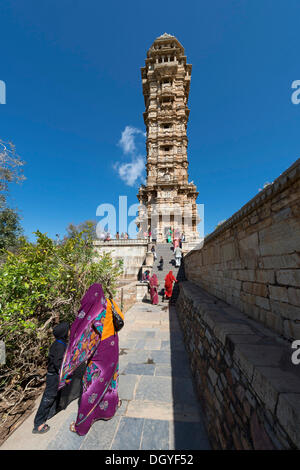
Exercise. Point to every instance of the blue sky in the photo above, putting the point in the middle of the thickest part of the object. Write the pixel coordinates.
(72, 72)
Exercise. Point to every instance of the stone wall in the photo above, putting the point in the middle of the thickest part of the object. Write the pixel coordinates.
(246, 382)
(132, 252)
(128, 294)
(252, 261)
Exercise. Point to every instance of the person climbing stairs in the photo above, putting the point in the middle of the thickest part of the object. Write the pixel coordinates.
(165, 250)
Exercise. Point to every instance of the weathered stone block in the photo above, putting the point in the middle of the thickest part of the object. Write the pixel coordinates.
(285, 310)
(249, 246)
(281, 262)
(265, 276)
(228, 252)
(294, 296)
(272, 320)
(247, 356)
(288, 413)
(291, 329)
(290, 277)
(280, 238)
(259, 436)
(213, 376)
(255, 289)
(278, 293)
(223, 330)
(269, 382)
(262, 302)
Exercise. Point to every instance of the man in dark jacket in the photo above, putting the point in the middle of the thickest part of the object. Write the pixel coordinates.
(56, 354)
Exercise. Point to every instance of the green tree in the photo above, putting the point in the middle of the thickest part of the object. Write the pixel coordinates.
(10, 229)
(88, 228)
(10, 169)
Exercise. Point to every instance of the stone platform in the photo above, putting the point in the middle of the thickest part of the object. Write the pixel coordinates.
(160, 410)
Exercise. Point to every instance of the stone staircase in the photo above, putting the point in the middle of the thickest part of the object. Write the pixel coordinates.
(166, 251)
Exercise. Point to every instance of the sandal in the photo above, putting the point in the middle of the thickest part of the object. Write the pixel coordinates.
(44, 429)
(72, 427)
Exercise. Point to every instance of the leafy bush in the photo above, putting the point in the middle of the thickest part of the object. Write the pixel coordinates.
(41, 285)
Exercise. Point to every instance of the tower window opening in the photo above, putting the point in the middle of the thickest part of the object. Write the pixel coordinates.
(166, 99)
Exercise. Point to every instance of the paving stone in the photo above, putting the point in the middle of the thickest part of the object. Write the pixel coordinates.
(153, 344)
(161, 357)
(140, 344)
(140, 334)
(188, 436)
(100, 435)
(163, 370)
(183, 391)
(151, 410)
(66, 439)
(127, 384)
(155, 389)
(155, 435)
(139, 369)
(138, 356)
(129, 434)
(128, 343)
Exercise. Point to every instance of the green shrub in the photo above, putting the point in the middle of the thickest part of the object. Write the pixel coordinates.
(40, 285)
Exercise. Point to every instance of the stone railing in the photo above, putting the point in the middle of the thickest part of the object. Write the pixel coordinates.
(244, 375)
(252, 261)
(120, 242)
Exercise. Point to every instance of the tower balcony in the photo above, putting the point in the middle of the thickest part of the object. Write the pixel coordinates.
(167, 105)
(166, 91)
(163, 180)
(166, 67)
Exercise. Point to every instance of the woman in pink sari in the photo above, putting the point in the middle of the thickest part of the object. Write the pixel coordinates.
(94, 341)
(153, 283)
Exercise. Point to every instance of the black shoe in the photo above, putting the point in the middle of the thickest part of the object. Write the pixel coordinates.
(44, 429)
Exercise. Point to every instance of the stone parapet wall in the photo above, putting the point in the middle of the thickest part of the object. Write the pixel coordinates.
(132, 252)
(245, 380)
(125, 296)
(128, 294)
(252, 261)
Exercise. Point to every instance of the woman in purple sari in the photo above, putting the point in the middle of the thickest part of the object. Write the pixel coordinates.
(153, 284)
(93, 341)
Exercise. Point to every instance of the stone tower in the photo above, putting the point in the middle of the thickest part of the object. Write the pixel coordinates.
(168, 199)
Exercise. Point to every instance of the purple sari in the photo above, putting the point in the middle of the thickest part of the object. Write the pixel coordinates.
(99, 397)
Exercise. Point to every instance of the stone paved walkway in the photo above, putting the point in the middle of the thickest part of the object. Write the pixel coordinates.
(159, 410)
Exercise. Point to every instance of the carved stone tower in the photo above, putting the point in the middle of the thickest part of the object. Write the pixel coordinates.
(167, 199)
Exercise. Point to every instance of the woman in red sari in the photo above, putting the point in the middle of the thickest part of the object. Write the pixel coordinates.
(169, 279)
(153, 283)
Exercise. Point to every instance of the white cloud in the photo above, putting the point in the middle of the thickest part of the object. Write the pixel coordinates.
(127, 141)
(131, 172)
